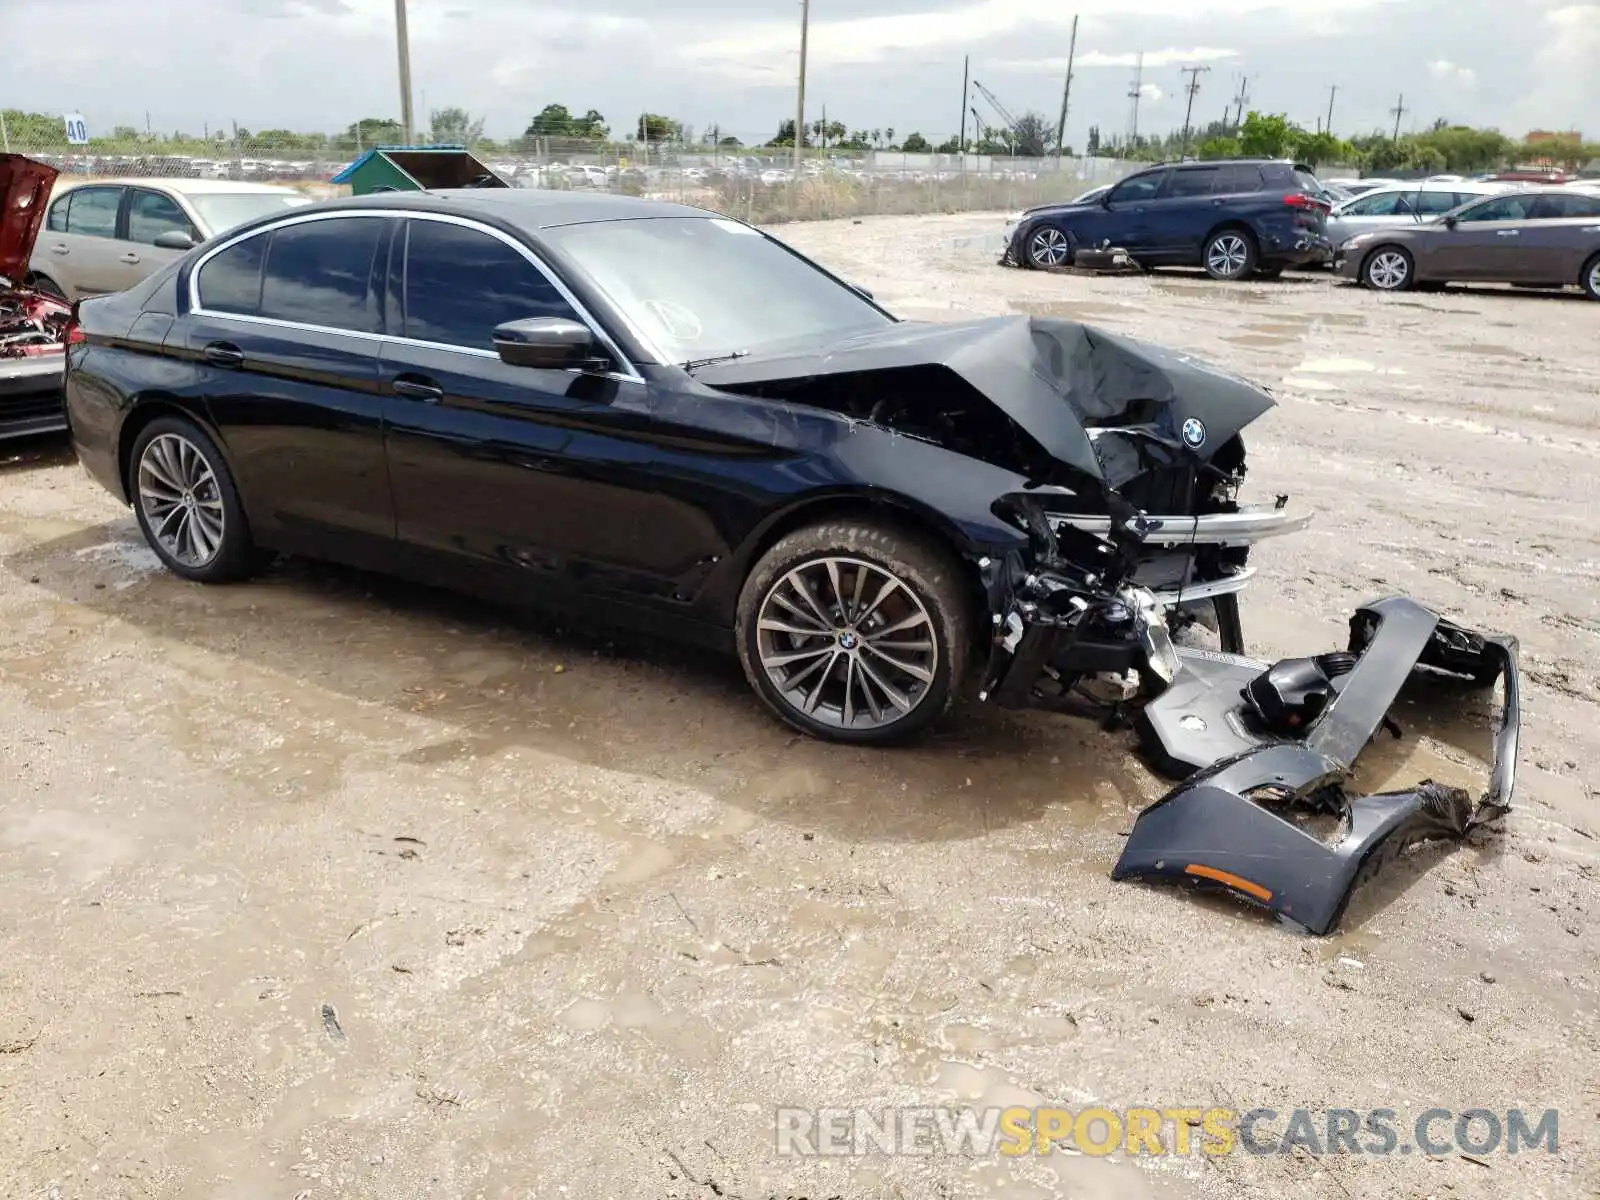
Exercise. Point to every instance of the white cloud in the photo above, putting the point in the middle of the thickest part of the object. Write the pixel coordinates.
(1151, 92)
(1156, 58)
(1153, 60)
(1453, 75)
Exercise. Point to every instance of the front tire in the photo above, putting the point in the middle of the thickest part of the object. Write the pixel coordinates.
(1389, 269)
(187, 505)
(1589, 280)
(1050, 247)
(1229, 255)
(855, 631)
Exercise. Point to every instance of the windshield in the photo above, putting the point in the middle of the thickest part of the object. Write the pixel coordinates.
(221, 211)
(705, 287)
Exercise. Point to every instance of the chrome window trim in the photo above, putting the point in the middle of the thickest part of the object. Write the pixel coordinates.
(197, 300)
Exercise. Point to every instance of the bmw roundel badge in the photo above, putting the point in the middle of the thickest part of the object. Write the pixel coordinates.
(1194, 433)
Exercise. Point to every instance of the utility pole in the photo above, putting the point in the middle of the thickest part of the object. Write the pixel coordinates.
(1192, 87)
(1066, 93)
(800, 98)
(1135, 90)
(1332, 92)
(966, 64)
(1240, 100)
(1399, 110)
(403, 41)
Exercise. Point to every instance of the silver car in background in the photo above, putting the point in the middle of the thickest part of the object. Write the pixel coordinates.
(106, 235)
(1402, 204)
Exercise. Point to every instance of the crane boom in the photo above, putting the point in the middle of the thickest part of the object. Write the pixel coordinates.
(994, 103)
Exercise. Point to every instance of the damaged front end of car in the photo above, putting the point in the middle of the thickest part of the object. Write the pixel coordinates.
(1260, 746)
(34, 326)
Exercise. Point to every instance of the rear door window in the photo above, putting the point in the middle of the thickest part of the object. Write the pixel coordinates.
(1581, 205)
(1434, 203)
(461, 282)
(1190, 181)
(1236, 179)
(93, 212)
(321, 273)
(1377, 204)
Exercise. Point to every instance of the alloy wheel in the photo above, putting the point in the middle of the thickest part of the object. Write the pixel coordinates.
(181, 500)
(1594, 278)
(847, 643)
(1228, 256)
(1388, 270)
(1049, 247)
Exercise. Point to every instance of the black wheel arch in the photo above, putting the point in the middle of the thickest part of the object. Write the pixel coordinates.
(152, 407)
(886, 508)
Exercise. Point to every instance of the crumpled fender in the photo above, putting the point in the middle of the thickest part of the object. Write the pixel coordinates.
(1210, 830)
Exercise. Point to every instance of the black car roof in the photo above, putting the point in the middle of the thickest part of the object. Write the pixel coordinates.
(529, 208)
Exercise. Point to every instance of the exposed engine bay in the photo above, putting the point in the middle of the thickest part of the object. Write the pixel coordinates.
(31, 323)
(34, 326)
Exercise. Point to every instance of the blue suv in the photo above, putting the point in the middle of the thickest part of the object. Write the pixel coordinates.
(1234, 217)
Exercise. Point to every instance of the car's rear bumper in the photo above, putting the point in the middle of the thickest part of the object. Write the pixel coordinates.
(30, 395)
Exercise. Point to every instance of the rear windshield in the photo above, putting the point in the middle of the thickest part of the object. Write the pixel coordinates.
(1308, 181)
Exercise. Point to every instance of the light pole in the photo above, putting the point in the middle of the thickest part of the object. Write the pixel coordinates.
(404, 42)
(800, 97)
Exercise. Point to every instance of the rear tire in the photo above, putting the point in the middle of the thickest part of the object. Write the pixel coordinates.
(1229, 255)
(1389, 269)
(188, 508)
(1589, 280)
(855, 631)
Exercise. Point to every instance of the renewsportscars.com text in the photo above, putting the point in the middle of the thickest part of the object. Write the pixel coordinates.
(1177, 1131)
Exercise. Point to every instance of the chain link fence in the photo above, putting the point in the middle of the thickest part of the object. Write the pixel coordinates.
(762, 186)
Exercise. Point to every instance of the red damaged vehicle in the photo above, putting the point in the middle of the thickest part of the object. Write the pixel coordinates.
(34, 326)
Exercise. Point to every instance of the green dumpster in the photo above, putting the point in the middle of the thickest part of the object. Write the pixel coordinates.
(415, 169)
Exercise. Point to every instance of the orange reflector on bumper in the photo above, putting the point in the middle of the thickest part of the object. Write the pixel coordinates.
(1230, 879)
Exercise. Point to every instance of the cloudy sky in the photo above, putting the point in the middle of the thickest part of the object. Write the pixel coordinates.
(320, 64)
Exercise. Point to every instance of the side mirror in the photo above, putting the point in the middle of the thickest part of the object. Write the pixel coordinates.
(1105, 200)
(554, 343)
(175, 239)
(1451, 222)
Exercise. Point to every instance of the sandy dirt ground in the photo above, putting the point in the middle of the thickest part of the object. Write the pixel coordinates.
(327, 886)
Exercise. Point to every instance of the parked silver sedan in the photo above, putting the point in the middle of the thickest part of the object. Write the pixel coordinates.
(1400, 205)
(106, 235)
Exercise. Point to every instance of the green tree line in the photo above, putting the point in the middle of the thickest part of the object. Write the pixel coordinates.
(1460, 149)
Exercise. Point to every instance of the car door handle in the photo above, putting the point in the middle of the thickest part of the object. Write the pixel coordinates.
(1507, 232)
(223, 354)
(130, 258)
(418, 387)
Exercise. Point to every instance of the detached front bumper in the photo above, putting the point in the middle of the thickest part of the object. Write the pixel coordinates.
(1230, 824)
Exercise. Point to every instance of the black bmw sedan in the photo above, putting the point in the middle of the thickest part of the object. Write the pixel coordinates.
(656, 415)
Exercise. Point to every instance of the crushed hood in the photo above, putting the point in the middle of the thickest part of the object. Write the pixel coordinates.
(1088, 397)
(24, 194)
